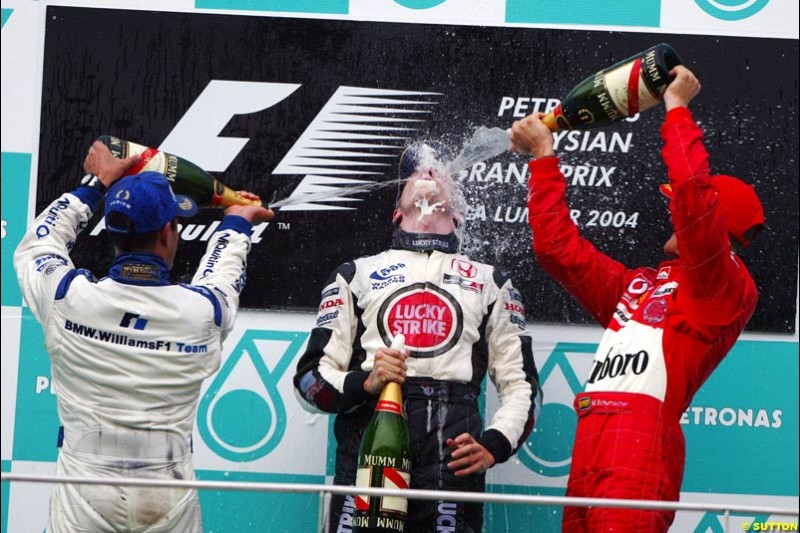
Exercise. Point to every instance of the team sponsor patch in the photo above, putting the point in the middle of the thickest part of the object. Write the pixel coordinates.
(638, 286)
(584, 403)
(463, 268)
(621, 314)
(315, 392)
(330, 303)
(390, 275)
(618, 365)
(333, 291)
(663, 273)
(466, 284)
(665, 289)
(514, 308)
(140, 272)
(430, 318)
(51, 268)
(383, 274)
(513, 295)
(517, 321)
(327, 318)
(655, 310)
(49, 259)
(393, 280)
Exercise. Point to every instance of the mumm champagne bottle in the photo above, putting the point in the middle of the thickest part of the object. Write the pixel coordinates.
(384, 461)
(619, 91)
(185, 177)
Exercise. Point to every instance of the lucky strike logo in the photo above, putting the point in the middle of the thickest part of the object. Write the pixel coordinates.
(429, 317)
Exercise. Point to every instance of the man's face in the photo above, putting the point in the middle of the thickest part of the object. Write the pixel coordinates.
(426, 185)
(429, 196)
(671, 246)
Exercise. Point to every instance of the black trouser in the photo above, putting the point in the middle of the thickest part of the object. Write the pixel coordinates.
(436, 411)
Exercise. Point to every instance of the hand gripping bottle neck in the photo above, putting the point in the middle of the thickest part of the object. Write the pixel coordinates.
(384, 461)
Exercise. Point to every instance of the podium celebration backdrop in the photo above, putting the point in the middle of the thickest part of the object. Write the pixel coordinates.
(290, 107)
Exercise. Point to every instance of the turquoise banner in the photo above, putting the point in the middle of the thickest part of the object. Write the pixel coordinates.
(741, 428)
(608, 12)
(234, 511)
(4, 488)
(15, 170)
(337, 7)
(36, 418)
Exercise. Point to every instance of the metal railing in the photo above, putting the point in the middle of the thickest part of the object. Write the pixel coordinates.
(476, 497)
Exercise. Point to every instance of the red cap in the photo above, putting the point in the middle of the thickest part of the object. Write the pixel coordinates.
(740, 206)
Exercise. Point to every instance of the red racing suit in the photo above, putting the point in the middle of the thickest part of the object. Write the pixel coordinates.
(666, 332)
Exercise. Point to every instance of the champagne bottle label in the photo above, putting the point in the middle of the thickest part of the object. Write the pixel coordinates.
(151, 159)
(620, 91)
(186, 178)
(389, 406)
(395, 478)
(628, 90)
(391, 478)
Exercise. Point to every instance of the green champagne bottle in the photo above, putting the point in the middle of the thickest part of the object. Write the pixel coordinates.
(185, 177)
(384, 461)
(619, 91)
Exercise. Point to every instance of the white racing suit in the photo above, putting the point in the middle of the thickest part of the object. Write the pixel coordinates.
(460, 319)
(128, 354)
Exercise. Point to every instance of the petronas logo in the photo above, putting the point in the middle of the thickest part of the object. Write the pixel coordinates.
(242, 417)
(548, 451)
(731, 10)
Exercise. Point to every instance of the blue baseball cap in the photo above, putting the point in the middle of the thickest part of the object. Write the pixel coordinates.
(147, 202)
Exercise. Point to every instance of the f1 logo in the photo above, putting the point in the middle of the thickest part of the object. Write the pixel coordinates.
(139, 323)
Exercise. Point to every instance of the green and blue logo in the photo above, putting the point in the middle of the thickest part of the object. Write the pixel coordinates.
(731, 9)
(244, 424)
(548, 451)
(419, 4)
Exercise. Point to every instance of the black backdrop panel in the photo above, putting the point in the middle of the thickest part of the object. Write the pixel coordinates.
(134, 74)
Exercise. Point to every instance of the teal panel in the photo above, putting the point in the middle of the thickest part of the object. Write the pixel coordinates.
(15, 171)
(330, 463)
(714, 523)
(36, 418)
(6, 14)
(339, 7)
(610, 12)
(746, 415)
(5, 466)
(528, 518)
(243, 512)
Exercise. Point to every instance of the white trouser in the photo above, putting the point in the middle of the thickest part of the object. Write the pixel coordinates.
(117, 509)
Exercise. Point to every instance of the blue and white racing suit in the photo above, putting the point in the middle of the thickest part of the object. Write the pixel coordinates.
(129, 354)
